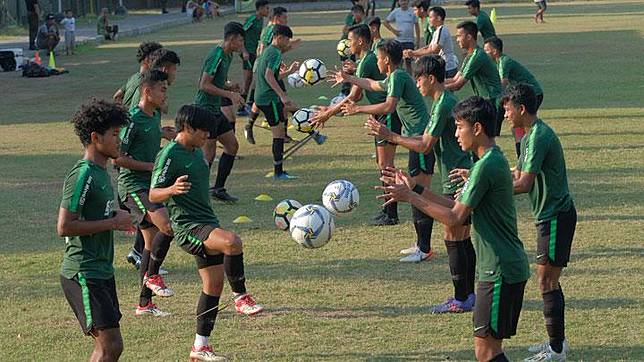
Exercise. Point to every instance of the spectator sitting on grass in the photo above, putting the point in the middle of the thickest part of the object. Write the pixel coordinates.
(103, 26)
(48, 35)
(195, 11)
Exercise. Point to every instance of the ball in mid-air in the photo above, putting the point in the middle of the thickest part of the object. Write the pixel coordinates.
(295, 81)
(312, 71)
(301, 119)
(312, 226)
(343, 48)
(283, 213)
(340, 196)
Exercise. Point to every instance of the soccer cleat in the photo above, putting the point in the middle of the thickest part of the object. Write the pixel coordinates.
(243, 111)
(540, 347)
(410, 250)
(134, 258)
(247, 305)
(150, 309)
(547, 355)
(248, 133)
(284, 176)
(222, 195)
(156, 284)
(318, 137)
(205, 353)
(417, 257)
(452, 305)
(382, 219)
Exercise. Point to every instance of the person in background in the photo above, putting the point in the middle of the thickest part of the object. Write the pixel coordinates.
(541, 8)
(103, 26)
(33, 13)
(406, 23)
(69, 23)
(48, 35)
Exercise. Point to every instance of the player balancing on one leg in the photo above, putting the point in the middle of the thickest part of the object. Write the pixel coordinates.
(512, 72)
(440, 138)
(269, 96)
(87, 218)
(541, 172)
(213, 94)
(486, 196)
(180, 181)
(404, 98)
(360, 45)
(140, 143)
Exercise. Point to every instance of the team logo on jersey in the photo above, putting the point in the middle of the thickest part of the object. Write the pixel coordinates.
(83, 196)
(164, 171)
(465, 187)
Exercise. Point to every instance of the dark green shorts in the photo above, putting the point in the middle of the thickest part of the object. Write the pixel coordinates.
(554, 238)
(392, 121)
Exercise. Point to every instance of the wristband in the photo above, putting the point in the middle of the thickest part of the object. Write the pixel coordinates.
(418, 189)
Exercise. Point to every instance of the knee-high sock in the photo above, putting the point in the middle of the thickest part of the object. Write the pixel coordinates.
(146, 294)
(278, 155)
(457, 261)
(160, 247)
(234, 269)
(139, 242)
(470, 271)
(553, 313)
(226, 162)
(423, 224)
(206, 313)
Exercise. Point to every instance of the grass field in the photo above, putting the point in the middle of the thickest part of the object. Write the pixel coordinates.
(350, 300)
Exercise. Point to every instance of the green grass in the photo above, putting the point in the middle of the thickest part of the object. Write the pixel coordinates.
(350, 300)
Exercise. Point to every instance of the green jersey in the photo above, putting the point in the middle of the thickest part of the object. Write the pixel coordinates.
(481, 71)
(542, 155)
(515, 73)
(428, 31)
(368, 68)
(267, 35)
(140, 140)
(192, 208)
(411, 106)
(271, 58)
(447, 150)
(131, 91)
(88, 193)
(216, 65)
(374, 45)
(489, 193)
(349, 21)
(485, 25)
(253, 28)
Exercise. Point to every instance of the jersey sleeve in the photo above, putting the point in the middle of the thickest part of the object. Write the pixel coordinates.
(128, 135)
(249, 22)
(471, 66)
(348, 21)
(212, 63)
(394, 86)
(504, 68)
(437, 122)
(163, 172)
(274, 61)
(77, 185)
(475, 187)
(534, 154)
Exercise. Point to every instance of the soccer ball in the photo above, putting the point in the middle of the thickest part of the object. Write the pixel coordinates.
(283, 213)
(312, 71)
(335, 100)
(312, 226)
(301, 120)
(344, 49)
(295, 81)
(340, 196)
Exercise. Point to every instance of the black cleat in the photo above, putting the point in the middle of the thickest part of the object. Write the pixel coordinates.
(382, 219)
(223, 196)
(248, 133)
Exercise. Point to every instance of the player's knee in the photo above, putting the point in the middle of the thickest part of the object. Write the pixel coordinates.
(232, 147)
(166, 228)
(233, 245)
(112, 349)
(213, 286)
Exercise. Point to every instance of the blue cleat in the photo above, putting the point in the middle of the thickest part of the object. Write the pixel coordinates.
(284, 176)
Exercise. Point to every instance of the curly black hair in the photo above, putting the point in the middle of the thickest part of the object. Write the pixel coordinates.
(162, 57)
(145, 49)
(98, 115)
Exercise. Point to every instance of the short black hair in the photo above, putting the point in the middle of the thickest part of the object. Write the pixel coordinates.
(163, 57)
(260, 3)
(477, 109)
(98, 115)
(357, 8)
(279, 10)
(421, 4)
(194, 116)
(521, 94)
(145, 49)
(474, 3)
(234, 28)
(393, 49)
(495, 42)
(374, 21)
(153, 76)
(284, 30)
(439, 11)
(430, 65)
(361, 31)
(469, 27)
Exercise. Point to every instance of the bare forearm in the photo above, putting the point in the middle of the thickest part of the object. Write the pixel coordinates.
(437, 207)
(215, 91)
(159, 195)
(85, 227)
(366, 84)
(134, 165)
(417, 144)
(380, 108)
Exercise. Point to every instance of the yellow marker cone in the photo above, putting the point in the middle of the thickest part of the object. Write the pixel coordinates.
(242, 220)
(52, 61)
(270, 174)
(493, 16)
(263, 197)
(265, 124)
(323, 98)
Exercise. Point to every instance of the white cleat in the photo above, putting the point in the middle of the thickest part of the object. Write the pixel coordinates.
(417, 257)
(540, 347)
(410, 250)
(150, 309)
(547, 355)
(205, 353)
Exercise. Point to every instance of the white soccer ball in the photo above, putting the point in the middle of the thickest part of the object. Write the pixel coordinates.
(283, 213)
(301, 118)
(312, 71)
(312, 226)
(344, 48)
(295, 81)
(340, 196)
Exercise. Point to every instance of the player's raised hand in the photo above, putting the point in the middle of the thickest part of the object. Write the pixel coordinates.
(458, 175)
(293, 67)
(319, 118)
(408, 53)
(349, 108)
(123, 221)
(181, 185)
(337, 77)
(398, 186)
(377, 129)
(168, 132)
(294, 43)
(236, 98)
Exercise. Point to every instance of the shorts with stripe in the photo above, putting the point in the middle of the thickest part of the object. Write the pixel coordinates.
(392, 121)
(554, 238)
(93, 301)
(192, 243)
(274, 113)
(421, 163)
(497, 309)
(248, 64)
(138, 204)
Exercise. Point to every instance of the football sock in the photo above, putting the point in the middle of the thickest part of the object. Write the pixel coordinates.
(278, 154)
(253, 117)
(517, 147)
(145, 262)
(500, 358)
(423, 224)
(139, 242)
(470, 271)
(146, 294)
(457, 267)
(207, 309)
(160, 247)
(553, 313)
(226, 162)
(200, 341)
(234, 269)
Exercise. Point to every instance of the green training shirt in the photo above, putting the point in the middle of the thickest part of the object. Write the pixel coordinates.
(349, 21)
(88, 193)
(542, 155)
(428, 31)
(489, 193)
(486, 28)
(271, 59)
(368, 68)
(267, 35)
(140, 140)
(253, 28)
(411, 106)
(192, 208)
(131, 91)
(216, 65)
(374, 46)
(515, 73)
(447, 150)
(481, 71)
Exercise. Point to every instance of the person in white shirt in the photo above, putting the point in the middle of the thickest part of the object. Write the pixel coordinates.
(69, 23)
(406, 23)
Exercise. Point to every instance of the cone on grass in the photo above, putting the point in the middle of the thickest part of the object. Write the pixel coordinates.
(493, 16)
(243, 219)
(264, 197)
(52, 60)
(37, 58)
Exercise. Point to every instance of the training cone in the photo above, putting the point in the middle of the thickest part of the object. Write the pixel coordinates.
(263, 197)
(37, 58)
(52, 60)
(493, 16)
(323, 98)
(242, 220)
(270, 174)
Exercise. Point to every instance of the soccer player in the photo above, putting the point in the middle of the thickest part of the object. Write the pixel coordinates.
(404, 98)
(126, 92)
(483, 22)
(360, 45)
(421, 8)
(356, 17)
(541, 8)
(180, 181)
(541, 172)
(479, 68)
(487, 197)
(406, 25)
(253, 30)
(439, 137)
(512, 72)
(214, 93)
(140, 143)
(269, 96)
(87, 218)
(374, 26)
